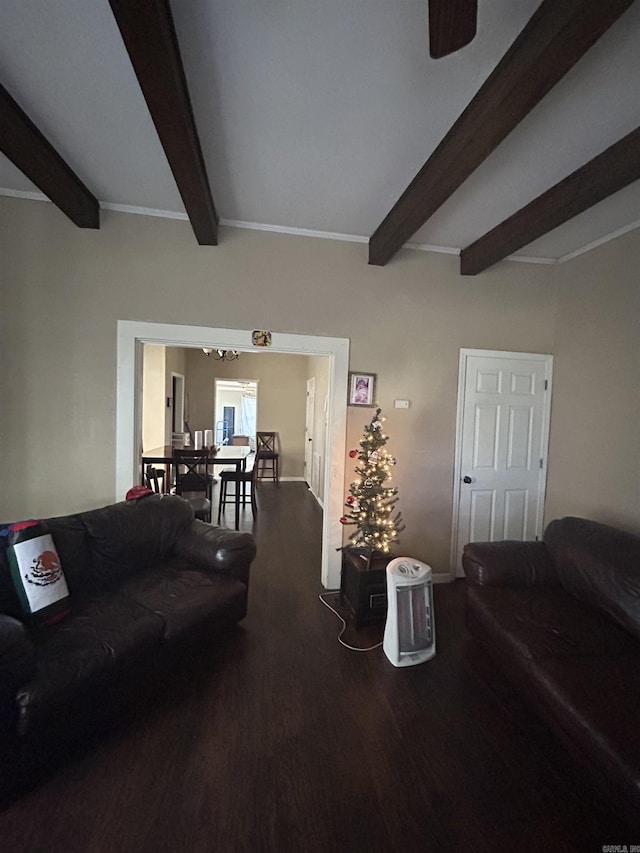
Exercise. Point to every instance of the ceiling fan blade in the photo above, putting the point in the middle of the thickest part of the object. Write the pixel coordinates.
(452, 25)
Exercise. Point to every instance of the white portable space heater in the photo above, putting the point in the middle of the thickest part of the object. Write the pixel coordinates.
(409, 635)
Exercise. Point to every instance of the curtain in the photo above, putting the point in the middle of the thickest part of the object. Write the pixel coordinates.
(247, 419)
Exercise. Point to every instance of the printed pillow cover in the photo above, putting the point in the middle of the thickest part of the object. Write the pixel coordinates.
(37, 572)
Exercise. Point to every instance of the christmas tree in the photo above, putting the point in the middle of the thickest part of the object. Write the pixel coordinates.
(371, 502)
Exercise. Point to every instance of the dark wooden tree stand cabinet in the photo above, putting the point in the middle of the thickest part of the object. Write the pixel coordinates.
(364, 585)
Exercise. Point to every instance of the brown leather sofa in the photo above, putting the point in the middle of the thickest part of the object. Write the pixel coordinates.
(144, 576)
(561, 618)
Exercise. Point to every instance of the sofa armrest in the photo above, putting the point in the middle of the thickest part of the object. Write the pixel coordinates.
(217, 549)
(508, 563)
(17, 655)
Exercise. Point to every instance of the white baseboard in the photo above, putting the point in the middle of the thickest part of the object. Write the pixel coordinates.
(284, 480)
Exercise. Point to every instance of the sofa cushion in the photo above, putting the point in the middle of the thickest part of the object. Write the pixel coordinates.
(594, 701)
(84, 651)
(130, 536)
(188, 598)
(72, 545)
(543, 622)
(17, 655)
(508, 563)
(600, 565)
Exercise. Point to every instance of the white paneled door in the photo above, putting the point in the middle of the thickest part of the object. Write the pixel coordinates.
(308, 433)
(504, 404)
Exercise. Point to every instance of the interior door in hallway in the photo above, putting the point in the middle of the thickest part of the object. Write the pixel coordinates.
(504, 404)
(308, 435)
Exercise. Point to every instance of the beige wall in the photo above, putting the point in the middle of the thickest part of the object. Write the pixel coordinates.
(153, 397)
(158, 366)
(594, 453)
(66, 288)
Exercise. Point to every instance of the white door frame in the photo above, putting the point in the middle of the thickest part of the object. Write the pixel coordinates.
(133, 334)
(465, 354)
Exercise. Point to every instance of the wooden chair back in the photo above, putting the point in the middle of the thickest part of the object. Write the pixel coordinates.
(266, 444)
(152, 477)
(191, 469)
(192, 480)
(267, 450)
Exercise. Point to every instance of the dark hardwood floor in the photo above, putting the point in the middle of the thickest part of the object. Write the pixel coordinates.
(280, 739)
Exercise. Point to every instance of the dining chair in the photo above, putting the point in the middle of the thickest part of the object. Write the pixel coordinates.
(192, 480)
(154, 478)
(266, 449)
(240, 479)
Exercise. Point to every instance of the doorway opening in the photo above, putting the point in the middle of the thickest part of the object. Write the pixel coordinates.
(236, 410)
(132, 335)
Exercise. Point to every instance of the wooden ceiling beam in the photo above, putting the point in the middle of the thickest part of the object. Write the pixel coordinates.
(556, 37)
(452, 25)
(149, 36)
(38, 160)
(614, 169)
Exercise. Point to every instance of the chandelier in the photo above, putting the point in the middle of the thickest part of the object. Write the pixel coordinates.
(221, 354)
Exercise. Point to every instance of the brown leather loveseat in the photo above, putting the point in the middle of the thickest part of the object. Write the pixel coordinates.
(561, 617)
(144, 576)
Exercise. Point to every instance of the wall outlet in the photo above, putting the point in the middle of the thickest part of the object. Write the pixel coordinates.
(400, 404)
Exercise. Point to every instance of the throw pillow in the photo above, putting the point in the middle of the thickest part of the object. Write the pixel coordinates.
(37, 572)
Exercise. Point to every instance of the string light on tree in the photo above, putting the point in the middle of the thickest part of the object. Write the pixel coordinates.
(371, 502)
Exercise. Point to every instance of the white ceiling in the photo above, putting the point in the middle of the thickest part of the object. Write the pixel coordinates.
(315, 114)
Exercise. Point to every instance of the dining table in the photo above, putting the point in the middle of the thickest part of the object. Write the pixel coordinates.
(226, 455)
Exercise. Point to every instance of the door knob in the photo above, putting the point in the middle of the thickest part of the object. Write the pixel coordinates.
(466, 480)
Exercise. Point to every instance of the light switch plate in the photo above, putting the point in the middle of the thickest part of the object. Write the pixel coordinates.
(400, 404)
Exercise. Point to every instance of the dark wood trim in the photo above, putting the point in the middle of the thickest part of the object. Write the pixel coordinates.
(149, 36)
(38, 160)
(607, 173)
(555, 38)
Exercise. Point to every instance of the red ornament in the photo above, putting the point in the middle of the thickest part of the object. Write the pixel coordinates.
(344, 519)
(353, 454)
(350, 499)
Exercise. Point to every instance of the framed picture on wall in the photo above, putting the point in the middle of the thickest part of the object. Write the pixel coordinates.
(362, 389)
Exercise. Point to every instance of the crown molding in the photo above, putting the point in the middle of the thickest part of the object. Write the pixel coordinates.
(144, 211)
(327, 235)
